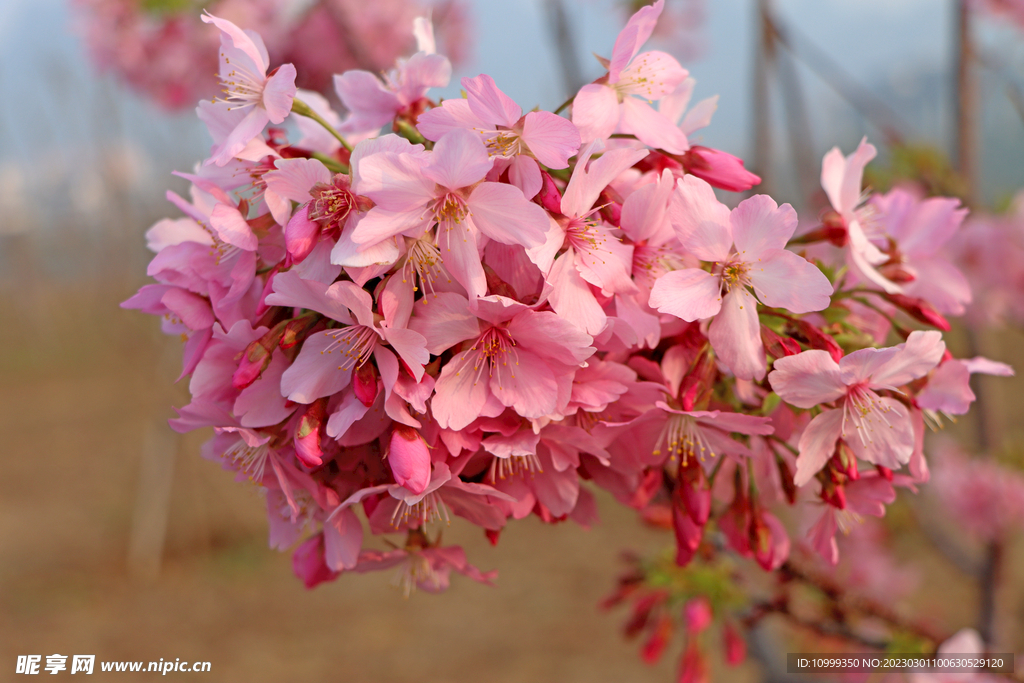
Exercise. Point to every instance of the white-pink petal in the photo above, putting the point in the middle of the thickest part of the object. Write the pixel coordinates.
(701, 222)
(807, 379)
(735, 335)
(690, 294)
(817, 444)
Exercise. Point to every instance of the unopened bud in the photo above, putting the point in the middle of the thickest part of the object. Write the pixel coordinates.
(777, 345)
(307, 434)
(364, 384)
(919, 309)
(549, 197)
(817, 339)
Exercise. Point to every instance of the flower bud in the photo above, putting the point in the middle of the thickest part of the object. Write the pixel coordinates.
(697, 615)
(777, 345)
(735, 645)
(919, 310)
(307, 434)
(718, 169)
(364, 384)
(658, 640)
(817, 339)
(549, 197)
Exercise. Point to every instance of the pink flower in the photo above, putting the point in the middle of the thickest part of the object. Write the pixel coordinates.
(841, 178)
(243, 72)
(518, 357)
(759, 229)
(878, 429)
(308, 562)
(428, 569)
(522, 140)
(920, 228)
(618, 102)
(415, 192)
(867, 495)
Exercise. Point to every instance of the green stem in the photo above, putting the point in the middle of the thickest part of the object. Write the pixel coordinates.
(900, 329)
(409, 132)
(565, 104)
(333, 165)
(303, 109)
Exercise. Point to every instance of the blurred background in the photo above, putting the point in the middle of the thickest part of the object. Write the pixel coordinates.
(117, 540)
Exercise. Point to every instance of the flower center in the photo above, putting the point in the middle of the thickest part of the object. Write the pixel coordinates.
(682, 437)
(449, 208)
(356, 342)
(502, 468)
(425, 261)
(429, 508)
(248, 459)
(495, 348)
(735, 274)
(242, 88)
(502, 143)
(331, 204)
(864, 410)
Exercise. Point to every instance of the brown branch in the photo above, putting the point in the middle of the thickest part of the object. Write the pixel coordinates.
(843, 598)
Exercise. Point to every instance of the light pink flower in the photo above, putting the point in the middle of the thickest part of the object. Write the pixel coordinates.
(618, 102)
(921, 228)
(878, 429)
(522, 140)
(427, 569)
(414, 192)
(746, 249)
(243, 72)
(867, 495)
(841, 178)
(518, 358)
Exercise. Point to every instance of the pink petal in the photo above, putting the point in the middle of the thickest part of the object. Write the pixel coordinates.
(674, 104)
(940, 284)
(355, 299)
(380, 224)
(782, 279)
(248, 128)
(636, 32)
(192, 309)
(461, 257)
(502, 213)
(606, 261)
(459, 160)
(822, 536)
(700, 220)
(690, 294)
(551, 138)
(351, 255)
(395, 182)
(550, 337)
(362, 92)
(316, 372)
(524, 173)
(650, 127)
(988, 367)
(294, 178)
(292, 291)
(571, 297)
(916, 357)
(525, 385)
(644, 210)
(586, 183)
(948, 389)
(454, 114)
(409, 459)
(411, 346)
(595, 112)
(817, 444)
(557, 491)
(489, 103)
(651, 76)
(242, 40)
(759, 224)
(232, 228)
(698, 117)
(261, 403)
(279, 92)
(841, 177)
(343, 537)
(887, 438)
(444, 321)
(348, 412)
(300, 234)
(460, 393)
(807, 379)
(735, 335)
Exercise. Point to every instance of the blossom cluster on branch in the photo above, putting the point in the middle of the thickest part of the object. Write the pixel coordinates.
(162, 50)
(429, 309)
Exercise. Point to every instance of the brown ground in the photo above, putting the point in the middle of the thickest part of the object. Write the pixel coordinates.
(83, 385)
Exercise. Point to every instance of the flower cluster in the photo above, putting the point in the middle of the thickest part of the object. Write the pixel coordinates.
(161, 49)
(479, 310)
